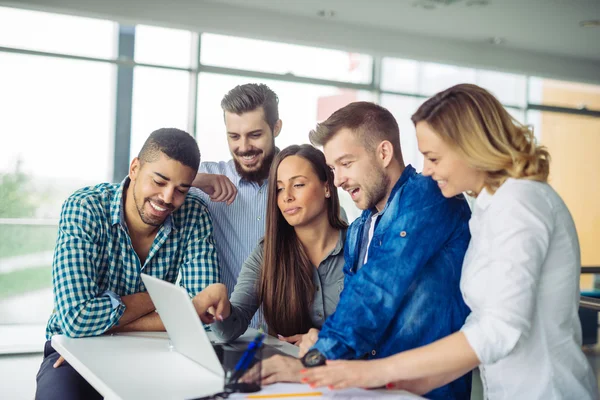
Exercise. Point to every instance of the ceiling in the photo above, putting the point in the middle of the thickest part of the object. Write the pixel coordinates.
(542, 26)
(535, 37)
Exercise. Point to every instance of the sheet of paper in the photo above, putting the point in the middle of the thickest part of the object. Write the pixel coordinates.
(349, 394)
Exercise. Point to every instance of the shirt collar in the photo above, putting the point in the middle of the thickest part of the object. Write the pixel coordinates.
(117, 209)
(117, 205)
(235, 175)
(483, 200)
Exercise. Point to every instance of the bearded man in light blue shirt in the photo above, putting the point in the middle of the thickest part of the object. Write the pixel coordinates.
(251, 116)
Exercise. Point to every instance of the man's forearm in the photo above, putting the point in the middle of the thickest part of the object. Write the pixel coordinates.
(149, 322)
(199, 180)
(137, 305)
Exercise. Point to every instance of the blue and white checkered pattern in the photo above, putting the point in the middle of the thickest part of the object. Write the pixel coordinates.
(95, 263)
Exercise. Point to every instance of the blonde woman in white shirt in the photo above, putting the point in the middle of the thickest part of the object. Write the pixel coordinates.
(520, 275)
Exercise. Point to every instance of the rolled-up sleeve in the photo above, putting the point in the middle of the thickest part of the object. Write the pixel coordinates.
(516, 236)
(244, 299)
(83, 310)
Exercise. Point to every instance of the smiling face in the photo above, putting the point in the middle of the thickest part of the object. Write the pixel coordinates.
(356, 170)
(251, 143)
(445, 165)
(301, 195)
(158, 188)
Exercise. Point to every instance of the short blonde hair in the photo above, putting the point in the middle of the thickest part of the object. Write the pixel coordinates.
(473, 122)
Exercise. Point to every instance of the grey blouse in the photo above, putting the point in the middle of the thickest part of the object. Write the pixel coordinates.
(328, 279)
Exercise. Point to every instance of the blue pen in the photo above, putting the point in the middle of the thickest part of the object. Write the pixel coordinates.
(246, 358)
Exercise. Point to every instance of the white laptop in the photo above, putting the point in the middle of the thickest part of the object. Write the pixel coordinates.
(187, 334)
(181, 321)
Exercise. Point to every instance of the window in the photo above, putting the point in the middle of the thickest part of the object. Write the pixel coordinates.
(301, 106)
(60, 129)
(400, 75)
(564, 94)
(283, 58)
(403, 107)
(517, 114)
(160, 100)
(437, 77)
(508, 88)
(60, 124)
(33, 30)
(163, 46)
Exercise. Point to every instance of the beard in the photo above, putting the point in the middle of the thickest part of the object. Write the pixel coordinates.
(377, 187)
(259, 174)
(150, 219)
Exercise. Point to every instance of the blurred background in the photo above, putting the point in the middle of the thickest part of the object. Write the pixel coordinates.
(83, 83)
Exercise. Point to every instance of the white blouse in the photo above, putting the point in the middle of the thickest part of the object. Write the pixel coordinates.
(520, 278)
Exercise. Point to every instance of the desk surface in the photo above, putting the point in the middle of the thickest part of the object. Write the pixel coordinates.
(144, 365)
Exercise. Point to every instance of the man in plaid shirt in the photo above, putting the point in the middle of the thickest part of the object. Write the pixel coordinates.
(109, 234)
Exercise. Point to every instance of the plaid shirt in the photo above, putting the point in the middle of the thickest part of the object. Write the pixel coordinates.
(94, 262)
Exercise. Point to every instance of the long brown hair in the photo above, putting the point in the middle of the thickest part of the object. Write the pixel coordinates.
(473, 122)
(286, 288)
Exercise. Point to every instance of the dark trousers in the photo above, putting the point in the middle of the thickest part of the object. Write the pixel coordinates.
(63, 382)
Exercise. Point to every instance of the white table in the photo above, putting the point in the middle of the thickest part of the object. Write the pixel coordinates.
(144, 366)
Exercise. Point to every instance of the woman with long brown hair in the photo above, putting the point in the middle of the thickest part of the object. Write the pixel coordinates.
(296, 271)
(520, 275)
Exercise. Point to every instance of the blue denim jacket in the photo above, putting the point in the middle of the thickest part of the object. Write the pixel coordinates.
(407, 294)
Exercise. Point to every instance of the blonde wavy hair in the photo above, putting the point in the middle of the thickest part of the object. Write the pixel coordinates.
(474, 123)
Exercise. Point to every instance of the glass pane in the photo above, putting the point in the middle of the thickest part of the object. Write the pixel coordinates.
(283, 58)
(437, 77)
(34, 30)
(517, 114)
(403, 107)
(163, 46)
(301, 106)
(564, 94)
(60, 129)
(508, 88)
(573, 142)
(160, 100)
(400, 75)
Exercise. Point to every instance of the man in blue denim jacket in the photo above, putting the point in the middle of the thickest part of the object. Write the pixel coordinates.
(403, 255)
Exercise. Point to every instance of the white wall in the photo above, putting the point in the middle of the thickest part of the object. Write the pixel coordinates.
(221, 18)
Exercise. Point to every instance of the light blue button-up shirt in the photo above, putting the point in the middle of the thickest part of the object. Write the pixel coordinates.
(239, 226)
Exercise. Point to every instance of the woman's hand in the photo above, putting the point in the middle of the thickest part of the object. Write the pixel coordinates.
(295, 339)
(345, 374)
(212, 303)
(308, 340)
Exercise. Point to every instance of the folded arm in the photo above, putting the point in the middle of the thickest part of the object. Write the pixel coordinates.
(83, 309)
(139, 315)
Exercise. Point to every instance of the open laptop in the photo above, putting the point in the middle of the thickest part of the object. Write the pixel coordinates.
(181, 321)
(186, 332)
